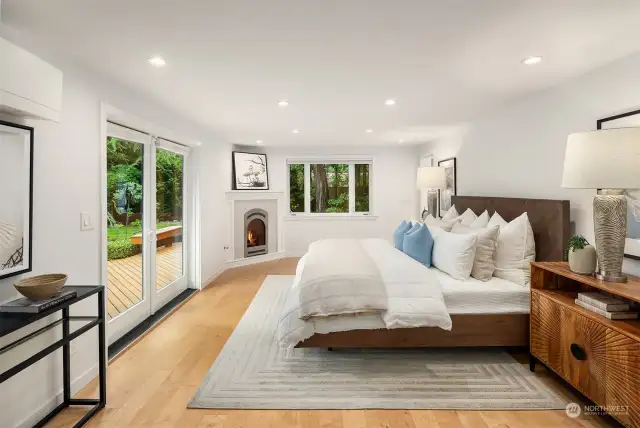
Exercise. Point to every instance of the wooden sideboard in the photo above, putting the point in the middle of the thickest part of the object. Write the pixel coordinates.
(598, 356)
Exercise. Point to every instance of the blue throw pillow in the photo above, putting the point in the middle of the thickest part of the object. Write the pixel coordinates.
(418, 245)
(398, 235)
(413, 229)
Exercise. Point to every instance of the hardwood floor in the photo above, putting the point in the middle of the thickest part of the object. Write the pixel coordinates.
(152, 382)
(125, 277)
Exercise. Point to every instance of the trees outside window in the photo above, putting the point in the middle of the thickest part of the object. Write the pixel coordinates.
(329, 188)
(362, 187)
(296, 188)
(340, 188)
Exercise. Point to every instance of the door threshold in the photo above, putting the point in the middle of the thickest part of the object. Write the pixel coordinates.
(120, 345)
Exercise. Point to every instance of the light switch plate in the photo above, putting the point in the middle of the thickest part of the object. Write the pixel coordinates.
(85, 221)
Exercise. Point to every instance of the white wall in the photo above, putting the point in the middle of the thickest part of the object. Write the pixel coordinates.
(519, 150)
(67, 182)
(393, 195)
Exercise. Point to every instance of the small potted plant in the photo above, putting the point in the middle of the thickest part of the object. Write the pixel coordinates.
(582, 256)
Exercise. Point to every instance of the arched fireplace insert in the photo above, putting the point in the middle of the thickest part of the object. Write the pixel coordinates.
(256, 229)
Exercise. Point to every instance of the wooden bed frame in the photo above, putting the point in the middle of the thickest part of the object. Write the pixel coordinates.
(550, 223)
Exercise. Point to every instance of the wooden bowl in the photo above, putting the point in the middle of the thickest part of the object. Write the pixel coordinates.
(41, 287)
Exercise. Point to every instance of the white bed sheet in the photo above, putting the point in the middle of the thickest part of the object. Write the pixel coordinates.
(471, 296)
(496, 296)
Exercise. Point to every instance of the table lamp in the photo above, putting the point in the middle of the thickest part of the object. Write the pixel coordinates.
(431, 178)
(609, 161)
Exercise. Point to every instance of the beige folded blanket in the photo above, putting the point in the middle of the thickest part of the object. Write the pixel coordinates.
(340, 278)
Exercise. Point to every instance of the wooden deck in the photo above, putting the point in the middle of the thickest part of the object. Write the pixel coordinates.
(125, 277)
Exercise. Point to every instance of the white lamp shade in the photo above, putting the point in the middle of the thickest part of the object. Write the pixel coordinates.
(432, 177)
(606, 159)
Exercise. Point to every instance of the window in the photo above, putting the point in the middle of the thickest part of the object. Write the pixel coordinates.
(362, 187)
(296, 188)
(329, 188)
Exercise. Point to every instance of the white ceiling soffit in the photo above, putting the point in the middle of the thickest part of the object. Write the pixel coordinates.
(336, 61)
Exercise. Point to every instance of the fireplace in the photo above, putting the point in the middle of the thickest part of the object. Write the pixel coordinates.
(255, 226)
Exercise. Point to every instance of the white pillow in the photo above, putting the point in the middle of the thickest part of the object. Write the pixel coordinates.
(450, 214)
(468, 217)
(445, 225)
(481, 222)
(483, 262)
(516, 249)
(453, 253)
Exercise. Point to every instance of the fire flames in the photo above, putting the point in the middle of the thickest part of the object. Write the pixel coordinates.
(251, 238)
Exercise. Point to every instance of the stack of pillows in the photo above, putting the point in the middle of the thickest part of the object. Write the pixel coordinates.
(468, 245)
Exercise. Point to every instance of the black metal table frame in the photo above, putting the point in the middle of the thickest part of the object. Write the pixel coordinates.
(65, 344)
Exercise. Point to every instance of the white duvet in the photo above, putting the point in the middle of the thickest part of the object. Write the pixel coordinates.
(413, 291)
(339, 277)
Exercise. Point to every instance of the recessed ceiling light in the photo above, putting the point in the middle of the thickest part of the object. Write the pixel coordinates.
(283, 103)
(390, 102)
(532, 60)
(258, 141)
(296, 131)
(157, 61)
(400, 141)
(369, 131)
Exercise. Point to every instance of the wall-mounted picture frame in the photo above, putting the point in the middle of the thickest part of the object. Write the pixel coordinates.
(250, 171)
(16, 199)
(452, 185)
(632, 244)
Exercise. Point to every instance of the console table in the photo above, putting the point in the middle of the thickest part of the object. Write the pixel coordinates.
(10, 322)
(598, 356)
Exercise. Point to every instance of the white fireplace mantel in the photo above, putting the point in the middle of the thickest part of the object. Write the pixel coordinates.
(238, 198)
(250, 195)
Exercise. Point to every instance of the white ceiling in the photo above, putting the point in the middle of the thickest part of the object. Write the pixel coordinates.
(335, 61)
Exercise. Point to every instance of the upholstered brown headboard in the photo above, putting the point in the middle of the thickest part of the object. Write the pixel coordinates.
(549, 219)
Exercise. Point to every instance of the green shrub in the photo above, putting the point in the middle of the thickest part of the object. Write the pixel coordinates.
(120, 249)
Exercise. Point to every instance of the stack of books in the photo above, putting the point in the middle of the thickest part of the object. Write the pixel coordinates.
(26, 306)
(607, 306)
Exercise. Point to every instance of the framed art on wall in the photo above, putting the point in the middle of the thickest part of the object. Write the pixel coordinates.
(250, 171)
(632, 243)
(16, 198)
(451, 189)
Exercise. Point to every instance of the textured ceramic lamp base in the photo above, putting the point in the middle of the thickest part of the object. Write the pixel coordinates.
(610, 223)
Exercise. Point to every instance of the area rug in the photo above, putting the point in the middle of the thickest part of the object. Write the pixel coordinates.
(253, 372)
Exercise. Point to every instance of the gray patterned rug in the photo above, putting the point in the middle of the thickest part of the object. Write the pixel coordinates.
(252, 372)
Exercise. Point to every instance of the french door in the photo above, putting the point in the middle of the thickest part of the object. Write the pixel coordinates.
(146, 227)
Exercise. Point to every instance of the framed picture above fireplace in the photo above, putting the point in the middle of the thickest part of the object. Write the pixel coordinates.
(16, 198)
(250, 171)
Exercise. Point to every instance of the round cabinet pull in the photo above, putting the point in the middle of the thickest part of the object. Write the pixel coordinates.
(578, 352)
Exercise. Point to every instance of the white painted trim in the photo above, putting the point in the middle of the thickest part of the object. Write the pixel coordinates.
(76, 385)
(253, 260)
(213, 277)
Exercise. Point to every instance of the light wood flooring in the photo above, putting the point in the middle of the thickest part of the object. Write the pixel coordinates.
(152, 382)
(125, 277)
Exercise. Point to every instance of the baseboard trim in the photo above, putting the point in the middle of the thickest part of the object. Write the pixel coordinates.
(253, 260)
(76, 385)
(212, 278)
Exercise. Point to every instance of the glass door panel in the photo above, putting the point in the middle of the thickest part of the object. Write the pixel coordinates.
(125, 183)
(169, 217)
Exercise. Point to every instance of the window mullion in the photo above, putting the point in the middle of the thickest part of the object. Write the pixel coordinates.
(352, 188)
(307, 188)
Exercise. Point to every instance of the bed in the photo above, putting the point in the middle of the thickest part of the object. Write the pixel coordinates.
(492, 313)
